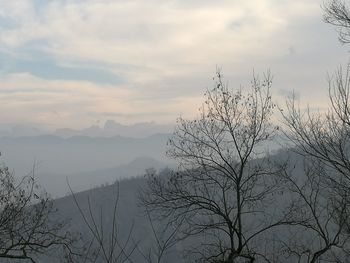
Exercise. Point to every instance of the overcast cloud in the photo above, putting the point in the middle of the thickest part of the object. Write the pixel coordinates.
(73, 63)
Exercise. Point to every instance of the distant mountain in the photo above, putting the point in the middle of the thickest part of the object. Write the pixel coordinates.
(112, 128)
(56, 184)
(18, 130)
(77, 154)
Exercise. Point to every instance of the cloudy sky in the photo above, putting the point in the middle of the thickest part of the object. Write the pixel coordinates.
(73, 63)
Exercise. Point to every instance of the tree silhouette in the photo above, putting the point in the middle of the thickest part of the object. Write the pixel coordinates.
(323, 141)
(225, 183)
(27, 225)
(337, 13)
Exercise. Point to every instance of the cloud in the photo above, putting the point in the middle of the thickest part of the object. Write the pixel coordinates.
(77, 104)
(142, 58)
(39, 64)
(158, 34)
(288, 94)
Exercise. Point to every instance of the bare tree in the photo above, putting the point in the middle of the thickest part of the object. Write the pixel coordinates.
(319, 214)
(337, 13)
(324, 139)
(164, 235)
(27, 225)
(325, 136)
(105, 245)
(221, 192)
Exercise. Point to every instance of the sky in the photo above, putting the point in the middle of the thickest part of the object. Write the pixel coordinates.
(74, 63)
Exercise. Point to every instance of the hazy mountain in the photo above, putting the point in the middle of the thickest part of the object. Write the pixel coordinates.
(56, 155)
(23, 129)
(112, 128)
(56, 184)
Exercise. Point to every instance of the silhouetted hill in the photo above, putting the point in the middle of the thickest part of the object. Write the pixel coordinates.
(130, 215)
(56, 184)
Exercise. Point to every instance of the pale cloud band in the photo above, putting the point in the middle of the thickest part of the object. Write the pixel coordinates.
(66, 63)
